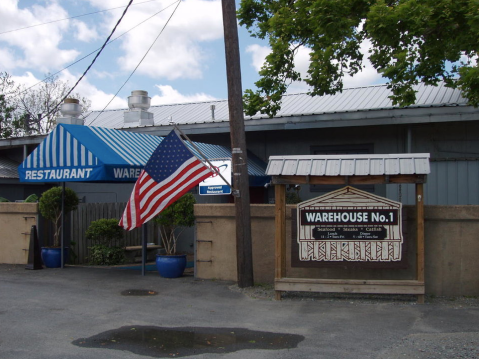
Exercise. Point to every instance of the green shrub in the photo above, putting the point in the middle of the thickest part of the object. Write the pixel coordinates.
(293, 198)
(3, 199)
(104, 231)
(32, 198)
(101, 254)
(102, 234)
(179, 214)
(50, 206)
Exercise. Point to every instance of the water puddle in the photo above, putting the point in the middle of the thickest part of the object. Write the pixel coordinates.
(185, 341)
(138, 292)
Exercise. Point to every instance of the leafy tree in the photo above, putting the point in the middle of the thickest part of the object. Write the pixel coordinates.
(11, 123)
(32, 111)
(40, 104)
(179, 214)
(50, 206)
(412, 41)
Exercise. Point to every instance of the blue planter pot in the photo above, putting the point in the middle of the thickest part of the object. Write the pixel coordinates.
(171, 266)
(52, 257)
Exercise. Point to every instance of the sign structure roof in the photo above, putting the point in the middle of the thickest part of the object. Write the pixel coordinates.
(349, 165)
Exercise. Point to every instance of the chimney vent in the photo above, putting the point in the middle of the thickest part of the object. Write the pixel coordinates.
(139, 100)
(71, 110)
(139, 103)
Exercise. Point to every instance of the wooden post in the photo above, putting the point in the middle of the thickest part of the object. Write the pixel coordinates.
(280, 234)
(244, 251)
(420, 236)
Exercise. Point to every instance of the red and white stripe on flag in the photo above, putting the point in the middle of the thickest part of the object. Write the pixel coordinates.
(171, 172)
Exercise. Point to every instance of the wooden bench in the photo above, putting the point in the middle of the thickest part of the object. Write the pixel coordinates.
(133, 253)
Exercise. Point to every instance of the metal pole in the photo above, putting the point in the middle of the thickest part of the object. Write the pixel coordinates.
(144, 237)
(62, 226)
(244, 250)
(201, 153)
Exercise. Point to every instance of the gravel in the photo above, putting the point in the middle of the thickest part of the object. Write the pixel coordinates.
(266, 292)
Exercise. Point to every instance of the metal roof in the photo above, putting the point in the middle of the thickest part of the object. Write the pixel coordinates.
(8, 168)
(350, 100)
(349, 165)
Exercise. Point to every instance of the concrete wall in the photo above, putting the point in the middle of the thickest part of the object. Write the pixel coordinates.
(451, 244)
(16, 221)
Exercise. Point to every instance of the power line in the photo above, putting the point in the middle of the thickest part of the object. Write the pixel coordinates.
(94, 51)
(138, 65)
(91, 64)
(72, 17)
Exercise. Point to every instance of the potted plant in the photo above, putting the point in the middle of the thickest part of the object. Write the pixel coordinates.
(103, 234)
(50, 206)
(172, 222)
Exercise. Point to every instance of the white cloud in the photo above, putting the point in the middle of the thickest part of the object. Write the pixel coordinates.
(471, 61)
(258, 55)
(84, 33)
(171, 96)
(367, 76)
(98, 98)
(38, 47)
(179, 51)
(102, 74)
(7, 59)
(25, 80)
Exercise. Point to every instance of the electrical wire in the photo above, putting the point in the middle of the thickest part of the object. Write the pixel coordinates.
(94, 51)
(72, 17)
(91, 64)
(138, 65)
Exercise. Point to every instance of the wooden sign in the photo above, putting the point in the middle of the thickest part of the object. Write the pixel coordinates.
(349, 225)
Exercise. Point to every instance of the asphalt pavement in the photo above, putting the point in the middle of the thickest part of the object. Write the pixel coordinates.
(82, 312)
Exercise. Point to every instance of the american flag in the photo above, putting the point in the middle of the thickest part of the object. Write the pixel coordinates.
(170, 172)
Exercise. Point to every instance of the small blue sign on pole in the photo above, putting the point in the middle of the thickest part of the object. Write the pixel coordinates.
(215, 185)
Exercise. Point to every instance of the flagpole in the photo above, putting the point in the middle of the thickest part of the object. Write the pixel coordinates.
(206, 159)
(144, 239)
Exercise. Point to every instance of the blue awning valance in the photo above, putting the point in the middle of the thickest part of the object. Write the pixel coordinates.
(72, 153)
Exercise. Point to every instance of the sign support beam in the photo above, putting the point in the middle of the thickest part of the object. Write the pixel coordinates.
(280, 234)
(420, 236)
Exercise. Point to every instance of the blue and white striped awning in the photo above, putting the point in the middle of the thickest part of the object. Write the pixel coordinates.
(95, 154)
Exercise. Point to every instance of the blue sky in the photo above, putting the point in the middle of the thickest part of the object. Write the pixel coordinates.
(186, 63)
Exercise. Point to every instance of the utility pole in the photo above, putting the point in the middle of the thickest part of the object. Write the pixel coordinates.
(244, 252)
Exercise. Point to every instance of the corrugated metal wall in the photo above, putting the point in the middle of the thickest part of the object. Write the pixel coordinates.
(449, 183)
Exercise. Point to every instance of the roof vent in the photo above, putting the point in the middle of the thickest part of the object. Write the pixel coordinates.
(212, 112)
(70, 109)
(139, 103)
(139, 100)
